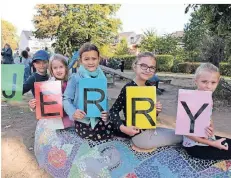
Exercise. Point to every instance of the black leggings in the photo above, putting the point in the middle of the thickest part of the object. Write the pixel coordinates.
(209, 152)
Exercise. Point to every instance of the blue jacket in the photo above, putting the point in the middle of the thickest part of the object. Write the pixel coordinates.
(70, 96)
(71, 99)
(74, 58)
(7, 56)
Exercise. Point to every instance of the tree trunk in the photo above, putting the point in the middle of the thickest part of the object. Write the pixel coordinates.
(223, 92)
(219, 47)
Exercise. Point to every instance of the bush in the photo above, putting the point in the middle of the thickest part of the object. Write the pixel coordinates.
(113, 63)
(222, 94)
(229, 60)
(128, 60)
(175, 64)
(225, 69)
(164, 62)
(190, 68)
(185, 67)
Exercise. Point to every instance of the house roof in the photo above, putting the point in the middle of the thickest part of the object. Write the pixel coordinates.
(178, 34)
(138, 38)
(28, 34)
(125, 34)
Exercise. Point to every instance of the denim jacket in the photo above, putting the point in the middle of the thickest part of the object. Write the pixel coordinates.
(70, 96)
(70, 100)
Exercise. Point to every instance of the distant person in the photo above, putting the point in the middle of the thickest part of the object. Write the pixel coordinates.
(122, 66)
(18, 60)
(103, 62)
(27, 64)
(47, 50)
(7, 55)
(30, 55)
(73, 64)
(155, 82)
(16, 55)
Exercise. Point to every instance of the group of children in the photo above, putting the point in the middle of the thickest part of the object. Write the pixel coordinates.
(110, 124)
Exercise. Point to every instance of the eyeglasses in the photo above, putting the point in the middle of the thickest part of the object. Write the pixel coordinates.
(146, 67)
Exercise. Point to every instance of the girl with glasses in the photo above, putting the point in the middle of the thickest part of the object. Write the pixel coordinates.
(142, 140)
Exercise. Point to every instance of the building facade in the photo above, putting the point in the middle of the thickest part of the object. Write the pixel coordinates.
(27, 39)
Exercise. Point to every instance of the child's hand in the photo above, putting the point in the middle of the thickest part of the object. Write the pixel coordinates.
(158, 107)
(32, 103)
(129, 130)
(209, 131)
(104, 116)
(218, 144)
(79, 114)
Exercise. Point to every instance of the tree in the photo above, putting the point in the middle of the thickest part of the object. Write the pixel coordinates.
(9, 34)
(106, 51)
(216, 43)
(158, 44)
(149, 41)
(166, 44)
(215, 20)
(212, 49)
(194, 32)
(122, 47)
(74, 24)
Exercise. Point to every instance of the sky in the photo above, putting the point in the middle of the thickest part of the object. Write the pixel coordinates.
(164, 18)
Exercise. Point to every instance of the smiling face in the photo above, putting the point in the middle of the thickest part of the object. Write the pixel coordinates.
(90, 60)
(145, 68)
(207, 80)
(41, 66)
(58, 69)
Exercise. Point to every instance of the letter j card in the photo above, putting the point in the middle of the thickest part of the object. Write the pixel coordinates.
(194, 112)
(93, 96)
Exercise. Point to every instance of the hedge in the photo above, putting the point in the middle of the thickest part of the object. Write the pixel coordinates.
(128, 60)
(229, 60)
(225, 69)
(185, 67)
(190, 68)
(166, 63)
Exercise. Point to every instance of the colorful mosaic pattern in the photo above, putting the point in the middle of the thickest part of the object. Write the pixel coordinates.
(63, 154)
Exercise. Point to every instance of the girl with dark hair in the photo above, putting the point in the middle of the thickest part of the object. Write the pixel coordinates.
(100, 129)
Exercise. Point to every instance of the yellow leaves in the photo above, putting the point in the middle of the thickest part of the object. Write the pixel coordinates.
(9, 34)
